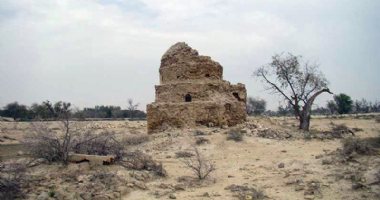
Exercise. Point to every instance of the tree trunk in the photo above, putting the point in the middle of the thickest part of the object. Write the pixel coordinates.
(306, 110)
(304, 122)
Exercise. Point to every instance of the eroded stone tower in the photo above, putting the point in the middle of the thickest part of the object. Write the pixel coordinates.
(192, 92)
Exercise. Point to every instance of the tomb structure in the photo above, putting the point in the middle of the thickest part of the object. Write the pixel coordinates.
(192, 92)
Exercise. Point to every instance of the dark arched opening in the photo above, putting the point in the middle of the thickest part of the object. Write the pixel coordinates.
(207, 75)
(236, 95)
(187, 98)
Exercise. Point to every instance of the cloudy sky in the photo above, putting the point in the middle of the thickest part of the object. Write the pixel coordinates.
(106, 51)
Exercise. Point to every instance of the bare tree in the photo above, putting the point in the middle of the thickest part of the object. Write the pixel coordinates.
(132, 108)
(199, 165)
(299, 85)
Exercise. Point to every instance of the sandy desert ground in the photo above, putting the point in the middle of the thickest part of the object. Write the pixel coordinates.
(273, 158)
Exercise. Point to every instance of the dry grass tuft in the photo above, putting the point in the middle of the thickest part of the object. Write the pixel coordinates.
(138, 160)
(183, 154)
(353, 145)
(245, 192)
(136, 139)
(235, 135)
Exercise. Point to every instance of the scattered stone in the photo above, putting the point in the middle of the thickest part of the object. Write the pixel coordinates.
(172, 196)
(20, 153)
(140, 185)
(43, 196)
(37, 162)
(206, 194)
(179, 187)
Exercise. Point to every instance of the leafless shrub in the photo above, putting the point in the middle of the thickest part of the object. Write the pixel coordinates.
(183, 154)
(199, 165)
(136, 139)
(42, 142)
(235, 135)
(12, 175)
(353, 145)
(53, 146)
(138, 160)
(201, 140)
(105, 143)
(245, 192)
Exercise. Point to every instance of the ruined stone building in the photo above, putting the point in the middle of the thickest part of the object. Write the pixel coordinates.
(192, 92)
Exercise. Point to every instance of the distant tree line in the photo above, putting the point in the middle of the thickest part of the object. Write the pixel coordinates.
(341, 104)
(47, 111)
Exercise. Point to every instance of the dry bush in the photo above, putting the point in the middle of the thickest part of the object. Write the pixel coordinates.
(353, 145)
(199, 165)
(199, 133)
(43, 143)
(105, 143)
(135, 139)
(340, 130)
(235, 135)
(245, 192)
(12, 175)
(273, 134)
(183, 154)
(53, 146)
(138, 160)
(201, 140)
(336, 131)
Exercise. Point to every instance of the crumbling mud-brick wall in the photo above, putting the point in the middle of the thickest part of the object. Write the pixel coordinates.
(192, 92)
